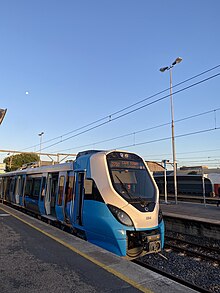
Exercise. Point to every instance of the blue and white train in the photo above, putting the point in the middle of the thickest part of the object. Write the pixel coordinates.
(109, 198)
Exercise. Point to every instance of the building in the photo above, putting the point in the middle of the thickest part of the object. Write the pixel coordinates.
(155, 167)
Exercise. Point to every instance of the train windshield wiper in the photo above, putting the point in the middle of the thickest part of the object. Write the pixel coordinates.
(144, 202)
(124, 187)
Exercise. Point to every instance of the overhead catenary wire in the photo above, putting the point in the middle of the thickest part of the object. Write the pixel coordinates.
(110, 117)
(187, 158)
(161, 92)
(146, 129)
(134, 110)
(167, 138)
(183, 153)
(199, 161)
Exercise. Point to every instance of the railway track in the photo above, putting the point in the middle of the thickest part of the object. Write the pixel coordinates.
(187, 261)
(171, 276)
(197, 250)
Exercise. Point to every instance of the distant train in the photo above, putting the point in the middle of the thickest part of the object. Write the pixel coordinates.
(187, 185)
(108, 198)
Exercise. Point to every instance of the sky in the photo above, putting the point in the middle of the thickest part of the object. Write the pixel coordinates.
(84, 73)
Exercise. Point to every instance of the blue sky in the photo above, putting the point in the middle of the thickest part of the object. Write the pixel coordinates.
(81, 61)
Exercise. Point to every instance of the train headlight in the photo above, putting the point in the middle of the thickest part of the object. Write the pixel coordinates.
(121, 216)
(160, 216)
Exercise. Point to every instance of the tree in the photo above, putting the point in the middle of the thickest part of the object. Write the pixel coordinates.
(15, 162)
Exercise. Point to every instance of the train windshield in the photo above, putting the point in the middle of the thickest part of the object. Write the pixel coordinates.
(130, 177)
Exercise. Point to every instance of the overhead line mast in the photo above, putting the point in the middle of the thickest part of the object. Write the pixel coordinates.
(42, 154)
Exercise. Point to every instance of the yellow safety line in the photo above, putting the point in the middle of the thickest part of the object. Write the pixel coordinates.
(110, 270)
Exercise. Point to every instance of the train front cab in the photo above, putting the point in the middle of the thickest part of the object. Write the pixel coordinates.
(107, 218)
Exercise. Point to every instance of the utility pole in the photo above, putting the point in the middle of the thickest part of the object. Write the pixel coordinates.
(178, 60)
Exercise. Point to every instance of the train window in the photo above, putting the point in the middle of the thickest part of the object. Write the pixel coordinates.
(4, 187)
(70, 188)
(43, 188)
(88, 186)
(92, 191)
(28, 187)
(11, 189)
(60, 190)
(12, 185)
(22, 185)
(7, 191)
(130, 177)
(36, 187)
(18, 186)
(54, 187)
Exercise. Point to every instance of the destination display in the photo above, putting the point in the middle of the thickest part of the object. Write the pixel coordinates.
(126, 164)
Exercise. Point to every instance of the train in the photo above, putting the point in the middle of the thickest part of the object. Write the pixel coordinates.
(188, 185)
(108, 198)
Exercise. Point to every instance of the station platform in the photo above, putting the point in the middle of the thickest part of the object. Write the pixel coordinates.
(193, 219)
(37, 257)
(194, 211)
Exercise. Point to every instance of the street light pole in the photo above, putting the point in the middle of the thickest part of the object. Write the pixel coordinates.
(40, 134)
(165, 180)
(173, 138)
(178, 60)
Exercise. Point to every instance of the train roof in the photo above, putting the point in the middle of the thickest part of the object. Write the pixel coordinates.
(89, 152)
(43, 169)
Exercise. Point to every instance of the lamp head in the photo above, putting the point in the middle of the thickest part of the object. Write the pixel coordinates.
(178, 60)
(164, 69)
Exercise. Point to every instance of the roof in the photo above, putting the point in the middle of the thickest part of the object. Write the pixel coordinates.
(154, 166)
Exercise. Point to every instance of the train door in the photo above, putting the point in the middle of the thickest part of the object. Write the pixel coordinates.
(42, 196)
(11, 190)
(47, 200)
(51, 191)
(79, 197)
(5, 180)
(18, 189)
(60, 203)
(21, 194)
(69, 197)
(7, 190)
